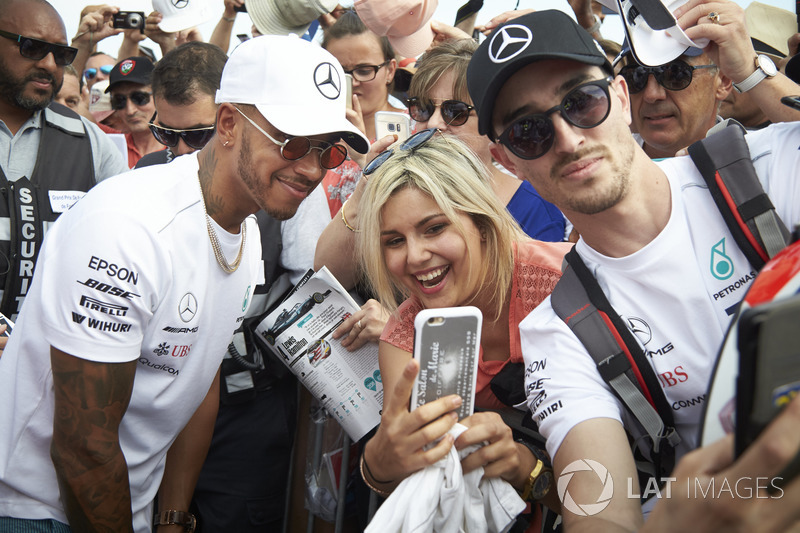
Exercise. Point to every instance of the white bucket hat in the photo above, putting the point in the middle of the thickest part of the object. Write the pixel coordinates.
(282, 17)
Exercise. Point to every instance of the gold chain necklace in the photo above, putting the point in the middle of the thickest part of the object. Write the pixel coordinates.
(215, 244)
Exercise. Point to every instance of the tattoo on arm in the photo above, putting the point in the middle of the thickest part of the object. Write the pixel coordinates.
(90, 401)
(208, 166)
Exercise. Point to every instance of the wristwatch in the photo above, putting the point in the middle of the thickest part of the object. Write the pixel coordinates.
(765, 68)
(179, 518)
(541, 477)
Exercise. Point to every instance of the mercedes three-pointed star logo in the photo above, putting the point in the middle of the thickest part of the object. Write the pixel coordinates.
(180, 4)
(640, 328)
(187, 307)
(327, 81)
(509, 42)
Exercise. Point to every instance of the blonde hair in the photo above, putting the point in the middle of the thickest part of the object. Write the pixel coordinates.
(450, 56)
(445, 169)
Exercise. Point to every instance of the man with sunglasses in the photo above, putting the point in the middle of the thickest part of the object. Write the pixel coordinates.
(650, 233)
(254, 430)
(50, 153)
(132, 99)
(109, 384)
(98, 68)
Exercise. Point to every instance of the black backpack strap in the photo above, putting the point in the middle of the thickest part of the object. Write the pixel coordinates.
(723, 160)
(578, 300)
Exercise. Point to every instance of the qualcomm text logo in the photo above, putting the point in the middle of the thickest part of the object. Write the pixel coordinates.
(585, 509)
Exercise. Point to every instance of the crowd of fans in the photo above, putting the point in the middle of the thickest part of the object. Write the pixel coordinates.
(533, 136)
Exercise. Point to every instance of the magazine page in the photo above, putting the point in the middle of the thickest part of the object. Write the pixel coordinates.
(299, 331)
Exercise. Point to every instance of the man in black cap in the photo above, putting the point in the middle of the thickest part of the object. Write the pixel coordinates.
(650, 233)
(132, 98)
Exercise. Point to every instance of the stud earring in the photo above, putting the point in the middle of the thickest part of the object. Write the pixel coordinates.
(225, 143)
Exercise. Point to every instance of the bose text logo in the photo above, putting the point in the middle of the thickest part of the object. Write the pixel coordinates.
(108, 289)
(586, 509)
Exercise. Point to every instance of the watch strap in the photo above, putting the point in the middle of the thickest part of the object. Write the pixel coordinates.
(752, 80)
(172, 517)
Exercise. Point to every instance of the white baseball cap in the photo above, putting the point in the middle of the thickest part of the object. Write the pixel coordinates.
(652, 31)
(180, 15)
(296, 85)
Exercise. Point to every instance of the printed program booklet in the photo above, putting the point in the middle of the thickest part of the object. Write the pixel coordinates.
(300, 332)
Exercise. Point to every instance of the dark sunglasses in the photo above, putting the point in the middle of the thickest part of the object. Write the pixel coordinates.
(295, 148)
(675, 76)
(585, 106)
(454, 112)
(194, 138)
(35, 49)
(120, 101)
(91, 73)
(416, 140)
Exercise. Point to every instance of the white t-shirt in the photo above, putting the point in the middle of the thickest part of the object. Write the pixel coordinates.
(128, 274)
(677, 295)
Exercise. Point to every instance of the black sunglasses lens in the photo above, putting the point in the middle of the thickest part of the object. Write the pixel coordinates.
(676, 76)
(140, 97)
(454, 112)
(333, 156)
(378, 161)
(165, 137)
(417, 139)
(419, 112)
(531, 137)
(636, 78)
(36, 50)
(586, 106)
(119, 101)
(197, 138)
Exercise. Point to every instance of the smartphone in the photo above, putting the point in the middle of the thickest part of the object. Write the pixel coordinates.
(348, 82)
(769, 366)
(10, 325)
(446, 344)
(242, 37)
(791, 101)
(240, 9)
(389, 122)
(129, 20)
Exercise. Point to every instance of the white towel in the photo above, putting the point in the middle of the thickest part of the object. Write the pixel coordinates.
(441, 498)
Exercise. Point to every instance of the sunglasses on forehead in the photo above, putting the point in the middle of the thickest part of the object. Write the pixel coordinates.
(194, 137)
(139, 98)
(35, 49)
(91, 73)
(585, 106)
(675, 75)
(416, 140)
(454, 112)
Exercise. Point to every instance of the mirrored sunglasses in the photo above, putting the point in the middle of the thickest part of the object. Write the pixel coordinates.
(194, 138)
(120, 101)
(585, 106)
(35, 49)
(675, 76)
(91, 73)
(454, 112)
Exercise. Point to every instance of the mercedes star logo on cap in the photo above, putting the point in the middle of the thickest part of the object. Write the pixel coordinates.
(509, 42)
(180, 4)
(327, 81)
(187, 307)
